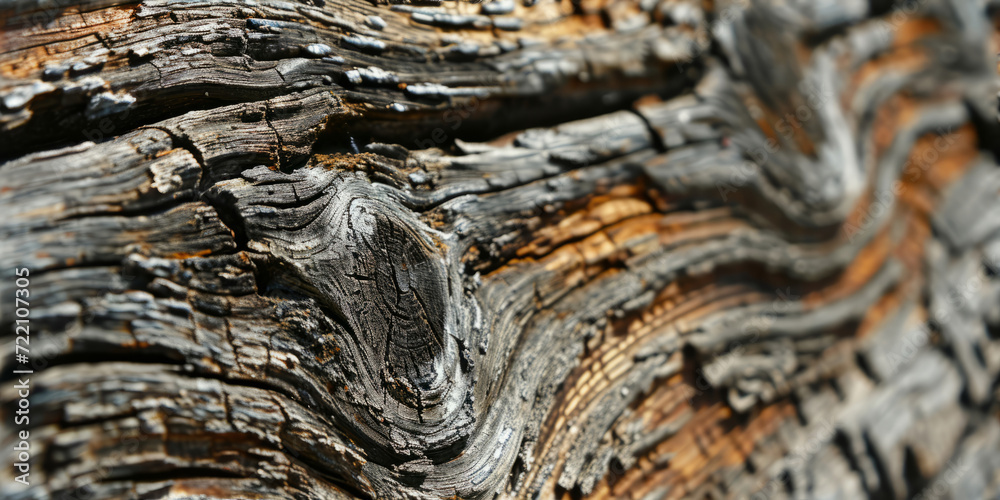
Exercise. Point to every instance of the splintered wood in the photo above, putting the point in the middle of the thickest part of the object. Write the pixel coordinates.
(647, 249)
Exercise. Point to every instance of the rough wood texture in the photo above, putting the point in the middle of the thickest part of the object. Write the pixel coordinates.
(627, 248)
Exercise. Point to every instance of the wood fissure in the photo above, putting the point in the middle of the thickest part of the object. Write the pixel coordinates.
(653, 249)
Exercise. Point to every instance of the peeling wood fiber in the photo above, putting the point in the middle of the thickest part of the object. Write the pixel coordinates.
(653, 249)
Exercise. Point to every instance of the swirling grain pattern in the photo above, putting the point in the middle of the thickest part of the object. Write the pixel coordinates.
(649, 249)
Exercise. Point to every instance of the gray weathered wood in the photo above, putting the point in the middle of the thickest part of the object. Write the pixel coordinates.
(552, 249)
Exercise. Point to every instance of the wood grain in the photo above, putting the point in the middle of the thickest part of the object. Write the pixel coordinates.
(652, 249)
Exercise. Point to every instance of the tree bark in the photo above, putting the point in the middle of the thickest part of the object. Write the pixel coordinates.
(645, 249)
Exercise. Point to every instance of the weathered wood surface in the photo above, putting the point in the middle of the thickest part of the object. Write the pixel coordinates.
(630, 249)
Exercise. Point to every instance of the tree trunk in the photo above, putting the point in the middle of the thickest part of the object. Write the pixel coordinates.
(629, 248)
